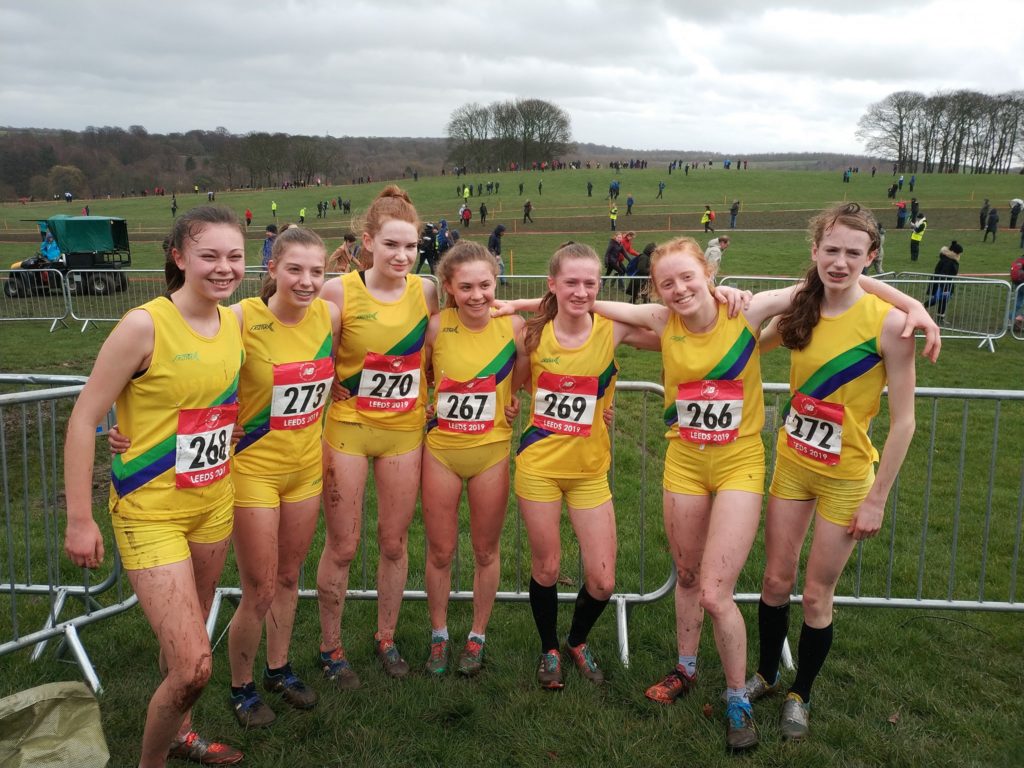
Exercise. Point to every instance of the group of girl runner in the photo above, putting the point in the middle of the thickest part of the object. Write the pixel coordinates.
(351, 360)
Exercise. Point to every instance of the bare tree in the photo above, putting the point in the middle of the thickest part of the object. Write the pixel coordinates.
(886, 128)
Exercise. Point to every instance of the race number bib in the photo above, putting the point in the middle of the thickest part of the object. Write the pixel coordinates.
(389, 383)
(565, 405)
(203, 445)
(709, 411)
(814, 428)
(300, 391)
(467, 407)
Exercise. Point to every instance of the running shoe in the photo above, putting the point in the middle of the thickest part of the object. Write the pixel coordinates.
(795, 720)
(549, 672)
(675, 684)
(250, 709)
(584, 661)
(740, 732)
(292, 689)
(337, 670)
(471, 660)
(394, 665)
(437, 664)
(197, 749)
(759, 688)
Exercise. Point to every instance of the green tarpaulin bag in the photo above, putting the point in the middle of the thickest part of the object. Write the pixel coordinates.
(56, 725)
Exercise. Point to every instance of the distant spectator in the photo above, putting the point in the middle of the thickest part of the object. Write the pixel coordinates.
(1015, 208)
(248, 219)
(734, 211)
(983, 215)
(629, 204)
(640, 268)
(494, 246)
(941, 289)
(991, 225)
(49, 248)
(483, 214)
(527, 210)
(708, 219)
(918, 225)
(268, 243)
(713, 254)
(341, 259)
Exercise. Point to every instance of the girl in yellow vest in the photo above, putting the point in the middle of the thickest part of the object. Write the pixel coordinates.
(846, 346)
(172, 367)
(565, 452)
(381, 367)
(714, 463)
(289, 337)
(475, 359)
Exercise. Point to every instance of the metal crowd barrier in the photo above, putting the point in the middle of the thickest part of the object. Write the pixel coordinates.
(1017, 311)
(977, 308)
(33, 294)
(951, 538)
(40, 583)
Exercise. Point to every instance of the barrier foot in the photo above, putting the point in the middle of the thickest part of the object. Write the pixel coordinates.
(51, 621)
(622, 623)
(211, 620)
(53, 325)
(85, 326)
(787, 656)
(987, 342)
(72, 639)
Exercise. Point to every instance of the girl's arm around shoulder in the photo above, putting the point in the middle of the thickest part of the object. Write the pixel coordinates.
(767, 304)
(430, 294)
(127, 350)
(916, 316)
(637, 337)
(521, 369)
(502, 307)
(649, 316)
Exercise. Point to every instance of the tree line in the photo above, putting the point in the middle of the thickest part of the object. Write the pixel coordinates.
(507, 133)
(102, 161)
(948, 132)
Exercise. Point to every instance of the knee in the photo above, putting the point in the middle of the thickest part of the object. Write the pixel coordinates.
(715, 601)
(393, 548)
(341, 552)
(777, 586)
(602, 586)
(440, 555)
(288, 581)
(687, 579)
(817, 600)
(484, 558)
(545, 571)
(262, 596)
(190, 679)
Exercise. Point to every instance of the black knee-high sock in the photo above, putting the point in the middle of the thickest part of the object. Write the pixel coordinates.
(544, 604)
(588, 611)
(772, 627)
(812, 652)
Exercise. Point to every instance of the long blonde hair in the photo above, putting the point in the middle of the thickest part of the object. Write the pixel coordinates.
(549, 303)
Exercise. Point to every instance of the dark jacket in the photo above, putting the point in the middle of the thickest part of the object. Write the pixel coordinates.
(494, 241)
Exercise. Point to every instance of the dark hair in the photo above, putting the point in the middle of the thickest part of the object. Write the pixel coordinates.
(797, 323)
(549, 303)
(186, 229)
(463, 252)
(284, 241)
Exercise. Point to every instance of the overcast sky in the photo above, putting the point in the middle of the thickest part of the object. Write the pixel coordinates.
(734, 76)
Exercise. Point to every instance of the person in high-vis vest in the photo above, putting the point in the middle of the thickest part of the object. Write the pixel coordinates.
(613, 215)
(918, 226)
(172, 366)
(846, 346)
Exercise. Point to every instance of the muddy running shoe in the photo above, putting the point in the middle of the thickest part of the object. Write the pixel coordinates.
(337, 670)
(471, 660)
(740, 732)
(437, 664)
(549, 671)
(197, 749)
(250, 710)
(394, 665)
(292, 689)
(675, 684)
(795, 720)
(759, 688)
(584, 661)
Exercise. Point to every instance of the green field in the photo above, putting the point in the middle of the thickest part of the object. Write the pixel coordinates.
(901, 688)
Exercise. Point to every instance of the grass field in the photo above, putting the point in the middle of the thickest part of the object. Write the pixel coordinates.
(901, 688)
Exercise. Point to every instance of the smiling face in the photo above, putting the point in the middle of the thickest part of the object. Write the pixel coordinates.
(299, 274)
(213, 261)
(682, 282)
(841, 255)
(393, 248)
(472, 287)
(576, 285)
